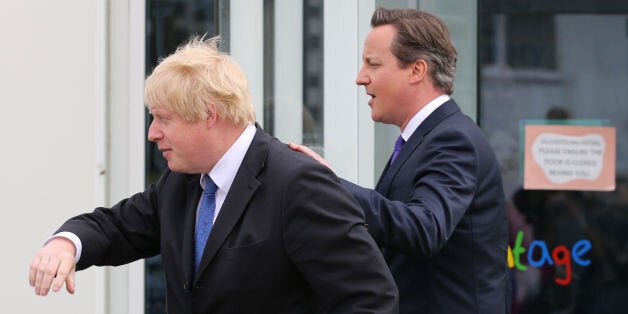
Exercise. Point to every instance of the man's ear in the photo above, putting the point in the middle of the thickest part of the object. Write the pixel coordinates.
(419, 71)
(211, 114)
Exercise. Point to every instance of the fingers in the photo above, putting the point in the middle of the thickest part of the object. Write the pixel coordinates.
(36, 272)
(305, 150)
(69, 283)
(32, 271)
(308, 151)
(53, 264)
(46, 275)
(65, 273)
(42, 273)
(301, 148)
(68, 278)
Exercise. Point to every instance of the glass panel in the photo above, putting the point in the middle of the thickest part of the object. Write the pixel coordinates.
(170, 23)
(559, 60)
(313, 131)
(280, 76)
(269, 66)
(531, 41)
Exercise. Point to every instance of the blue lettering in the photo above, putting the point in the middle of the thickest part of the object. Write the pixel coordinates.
(545, 255)
(580, 248)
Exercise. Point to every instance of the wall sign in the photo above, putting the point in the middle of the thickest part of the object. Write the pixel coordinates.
(569, 157)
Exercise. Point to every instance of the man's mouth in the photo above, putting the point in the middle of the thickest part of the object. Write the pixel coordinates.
(164, 150)
(372, 98)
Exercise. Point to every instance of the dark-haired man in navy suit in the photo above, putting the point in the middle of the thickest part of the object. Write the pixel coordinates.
(243, 223)
(438, 211)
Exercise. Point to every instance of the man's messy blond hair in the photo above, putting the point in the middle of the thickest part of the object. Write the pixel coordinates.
(194, 76)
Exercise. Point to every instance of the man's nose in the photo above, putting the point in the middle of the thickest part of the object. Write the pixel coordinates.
(154, 133)
(361, 79)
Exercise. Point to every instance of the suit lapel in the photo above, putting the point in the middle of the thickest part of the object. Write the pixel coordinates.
(390, 171)
(242, 190)
(187, 247)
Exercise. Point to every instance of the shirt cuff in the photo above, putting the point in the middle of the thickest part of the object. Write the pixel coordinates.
(72, 237)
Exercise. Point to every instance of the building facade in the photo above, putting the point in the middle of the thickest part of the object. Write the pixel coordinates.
(72, 74)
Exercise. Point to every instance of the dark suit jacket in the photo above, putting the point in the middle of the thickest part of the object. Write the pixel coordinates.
(288, 239)
(439, 214)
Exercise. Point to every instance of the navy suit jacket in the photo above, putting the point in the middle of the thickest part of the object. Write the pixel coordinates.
(288, 239)
(439, 214)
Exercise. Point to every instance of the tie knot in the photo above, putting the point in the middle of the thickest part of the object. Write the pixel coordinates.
(210, 186)
(399, 143)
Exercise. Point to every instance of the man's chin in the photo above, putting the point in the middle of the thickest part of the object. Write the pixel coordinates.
(174, 168)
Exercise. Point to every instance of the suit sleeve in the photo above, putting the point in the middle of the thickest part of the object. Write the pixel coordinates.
(326, 239)
(428, 197)
(119, 235)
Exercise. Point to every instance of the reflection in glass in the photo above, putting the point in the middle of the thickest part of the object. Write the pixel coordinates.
(548, 73)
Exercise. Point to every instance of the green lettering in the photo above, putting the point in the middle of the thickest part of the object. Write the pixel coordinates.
(518, 250)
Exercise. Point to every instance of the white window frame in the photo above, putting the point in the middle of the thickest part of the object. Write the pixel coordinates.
(124, 285)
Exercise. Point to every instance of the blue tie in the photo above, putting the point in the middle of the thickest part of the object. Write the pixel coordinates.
(205, 220)
(398, 144)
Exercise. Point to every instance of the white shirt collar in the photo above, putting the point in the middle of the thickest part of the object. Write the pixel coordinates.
(422, 114)
(225, 170)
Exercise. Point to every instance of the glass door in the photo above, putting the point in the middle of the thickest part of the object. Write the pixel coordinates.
(559, 63)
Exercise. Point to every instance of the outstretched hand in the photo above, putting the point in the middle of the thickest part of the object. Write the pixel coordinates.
(53, 265)
(308, 151)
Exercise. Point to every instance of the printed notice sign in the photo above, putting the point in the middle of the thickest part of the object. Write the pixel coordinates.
(569, 157)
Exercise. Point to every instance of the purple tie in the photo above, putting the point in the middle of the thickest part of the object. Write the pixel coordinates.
(205, 220)
(398, 144)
